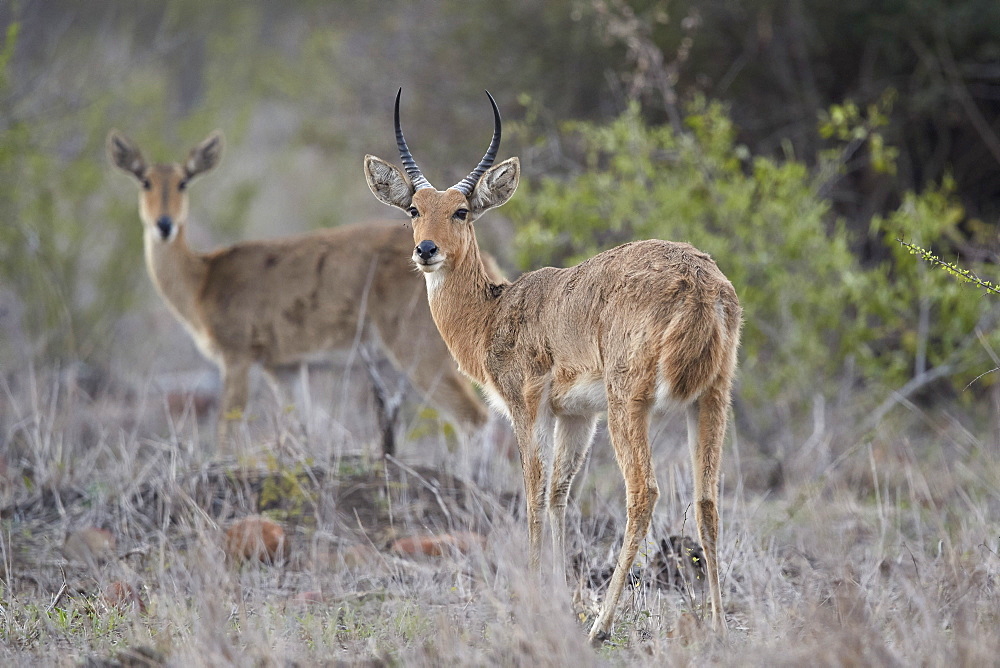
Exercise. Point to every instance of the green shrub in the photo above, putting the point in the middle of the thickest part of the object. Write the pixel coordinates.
(811, 310)
(933, 320)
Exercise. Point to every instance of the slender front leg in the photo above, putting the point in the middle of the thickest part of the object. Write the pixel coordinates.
(534, 480)
(573, 437)
(235, 390)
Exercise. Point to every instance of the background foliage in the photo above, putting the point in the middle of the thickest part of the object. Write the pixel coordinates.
(816, 315)
(794, 142)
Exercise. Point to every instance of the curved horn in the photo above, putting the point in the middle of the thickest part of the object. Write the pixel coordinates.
(418, 180)
(466, 185)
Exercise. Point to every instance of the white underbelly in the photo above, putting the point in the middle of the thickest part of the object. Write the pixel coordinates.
(586, 396)
(589, 395)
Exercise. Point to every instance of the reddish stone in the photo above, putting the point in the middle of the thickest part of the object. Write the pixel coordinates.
(122, 595)
(257, 538)
(431, 545)
(307, 598)
(202, 403)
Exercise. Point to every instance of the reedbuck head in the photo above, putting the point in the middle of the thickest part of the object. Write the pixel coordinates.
(442, 220)
(163, 197)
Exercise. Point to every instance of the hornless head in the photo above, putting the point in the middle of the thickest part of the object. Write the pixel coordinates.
(163, 198)
(442, 220)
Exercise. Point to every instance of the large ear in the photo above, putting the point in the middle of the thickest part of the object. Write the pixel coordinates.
(205, 155)
(388, 183)
(495, 187)
(125, 155)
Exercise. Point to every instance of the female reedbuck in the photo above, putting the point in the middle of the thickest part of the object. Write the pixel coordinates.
(630, 330)
(273, 302)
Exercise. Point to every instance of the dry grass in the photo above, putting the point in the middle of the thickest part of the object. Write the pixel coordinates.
(882, 551)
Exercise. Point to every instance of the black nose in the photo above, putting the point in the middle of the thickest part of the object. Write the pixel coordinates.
(427, 249)
(166, 226)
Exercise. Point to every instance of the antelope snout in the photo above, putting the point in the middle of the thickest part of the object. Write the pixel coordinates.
(426, 250)
(166, 225)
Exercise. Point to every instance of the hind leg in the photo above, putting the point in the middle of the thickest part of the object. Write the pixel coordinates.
(628, 425)
(573, 436)
(706, 428)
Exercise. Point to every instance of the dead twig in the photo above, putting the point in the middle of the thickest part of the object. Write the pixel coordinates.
(433, 489)
(57, 598)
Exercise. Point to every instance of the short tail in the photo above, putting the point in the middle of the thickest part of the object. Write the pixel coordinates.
(700, 344)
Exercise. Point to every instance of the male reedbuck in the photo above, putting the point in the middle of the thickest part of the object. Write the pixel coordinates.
(274, 302)
(630, 330)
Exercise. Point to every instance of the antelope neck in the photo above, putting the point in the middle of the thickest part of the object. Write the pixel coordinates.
(463, 307)
(178, 274)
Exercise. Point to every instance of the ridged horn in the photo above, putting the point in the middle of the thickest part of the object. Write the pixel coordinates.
(418, 180)
(466, 185)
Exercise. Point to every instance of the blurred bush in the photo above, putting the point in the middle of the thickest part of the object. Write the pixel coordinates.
(815, 317)
(302, 90)
(57, 255)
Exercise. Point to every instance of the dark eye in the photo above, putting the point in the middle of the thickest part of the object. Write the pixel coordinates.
(462, 214)
(413, 212)
(146, 185)
(182, 184)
